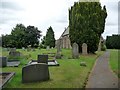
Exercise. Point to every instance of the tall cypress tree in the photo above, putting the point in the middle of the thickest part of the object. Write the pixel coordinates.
(49, 38)
(86, 23)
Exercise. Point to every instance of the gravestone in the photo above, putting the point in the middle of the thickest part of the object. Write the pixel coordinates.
(23, 48)
(8, 49)
(35, 73)
(13, 49)
(43, 59)
(75, 50)
(58, 46)
(84, 49)
(29, 48)
(3, 61)
(51, 47)
(48, 48)
(14, 53)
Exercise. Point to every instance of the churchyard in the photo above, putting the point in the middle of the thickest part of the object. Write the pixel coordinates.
(69, 73)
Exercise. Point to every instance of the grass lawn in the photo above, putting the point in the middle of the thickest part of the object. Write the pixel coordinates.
(114, 61)
(68, 75)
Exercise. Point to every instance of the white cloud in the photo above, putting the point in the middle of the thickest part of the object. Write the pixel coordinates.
(45, 13)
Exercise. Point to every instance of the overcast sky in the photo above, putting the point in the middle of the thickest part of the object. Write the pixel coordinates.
(45, 13)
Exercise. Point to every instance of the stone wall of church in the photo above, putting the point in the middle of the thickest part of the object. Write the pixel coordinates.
(64, 42)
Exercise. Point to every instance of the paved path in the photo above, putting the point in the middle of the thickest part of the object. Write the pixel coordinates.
(101, 75)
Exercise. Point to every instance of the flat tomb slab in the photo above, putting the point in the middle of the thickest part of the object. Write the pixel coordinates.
(50, 62)
(5, 77)
(14, 63)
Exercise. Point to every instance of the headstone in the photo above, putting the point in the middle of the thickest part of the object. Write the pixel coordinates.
(8, 49)
(58, 46)
(14, 53)
(23, 48)
(35, 73)
(43, 59)
(48, 48)
(29, 48)
(75, 50)
(3, 61)
(12, 49)
(84, 49)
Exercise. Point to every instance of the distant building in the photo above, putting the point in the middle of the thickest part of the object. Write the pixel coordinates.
(64, 39)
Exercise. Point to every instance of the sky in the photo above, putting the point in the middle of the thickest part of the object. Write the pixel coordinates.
(46, 13)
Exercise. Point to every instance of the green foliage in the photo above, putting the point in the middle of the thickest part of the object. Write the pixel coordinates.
(86, 23)
(32, 36)
(113, 42)
(103, 48)
(49, 38)
(22, 37)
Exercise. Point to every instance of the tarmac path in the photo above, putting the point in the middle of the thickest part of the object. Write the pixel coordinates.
(101, 75)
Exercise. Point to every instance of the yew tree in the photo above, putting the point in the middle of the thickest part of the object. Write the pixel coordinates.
(87, 23)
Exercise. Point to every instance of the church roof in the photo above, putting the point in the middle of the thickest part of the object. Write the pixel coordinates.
(66, 32)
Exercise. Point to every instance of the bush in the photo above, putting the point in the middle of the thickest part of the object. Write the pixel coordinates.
(113, 42)
(103, 48)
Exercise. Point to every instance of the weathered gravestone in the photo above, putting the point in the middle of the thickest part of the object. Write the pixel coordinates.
(75, 51)
(84, 49)
(58, 46)
(3, 61)
(8, 49)
(29, 48)
(23, 48)
(14, 53)
(35, 73)
(48, 48)
(12, 49)
(43, 59)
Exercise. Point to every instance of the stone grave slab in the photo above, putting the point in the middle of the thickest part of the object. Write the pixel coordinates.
(13, 63)
(5, 77)
(50, 62)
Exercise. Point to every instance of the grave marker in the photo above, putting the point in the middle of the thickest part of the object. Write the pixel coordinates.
(75, 52)
(35, 73)
(3, 61)
(84, 49)
(43, 59)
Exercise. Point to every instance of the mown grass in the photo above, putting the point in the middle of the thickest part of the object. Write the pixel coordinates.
(114, 56)
(68, 75)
